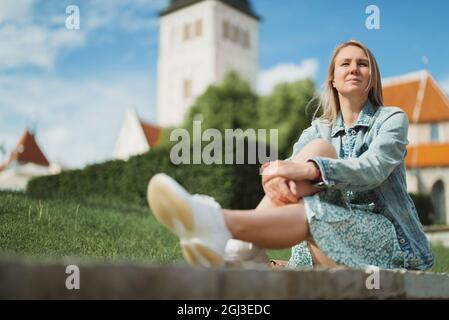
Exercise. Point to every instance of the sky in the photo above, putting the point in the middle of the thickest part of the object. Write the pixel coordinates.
(73, 87)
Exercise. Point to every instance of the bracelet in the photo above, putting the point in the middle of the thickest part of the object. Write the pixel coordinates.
(318, 175)
(318, 172)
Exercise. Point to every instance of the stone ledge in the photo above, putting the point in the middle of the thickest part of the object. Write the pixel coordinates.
(23, 279)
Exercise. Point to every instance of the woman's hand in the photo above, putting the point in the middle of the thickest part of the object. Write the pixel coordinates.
(281, 191)
(289, 170)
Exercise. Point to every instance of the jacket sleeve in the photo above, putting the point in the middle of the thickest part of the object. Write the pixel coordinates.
(387, 150)
(306, 136)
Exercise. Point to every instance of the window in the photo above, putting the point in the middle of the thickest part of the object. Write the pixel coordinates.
(187, 88)
(246, 39)
(434, 133)
(226, 31)
(199, 28)
(235, 34)
(187, 34)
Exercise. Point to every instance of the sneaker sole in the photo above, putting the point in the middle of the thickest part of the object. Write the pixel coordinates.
(173, 212)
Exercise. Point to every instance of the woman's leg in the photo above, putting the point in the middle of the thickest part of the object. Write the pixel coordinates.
(271, 228)
(318, 147)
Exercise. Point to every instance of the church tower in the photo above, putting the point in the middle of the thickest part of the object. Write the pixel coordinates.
(199, 42)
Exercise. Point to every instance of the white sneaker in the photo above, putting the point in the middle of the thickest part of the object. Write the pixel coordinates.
(196, 219)
(245, 254)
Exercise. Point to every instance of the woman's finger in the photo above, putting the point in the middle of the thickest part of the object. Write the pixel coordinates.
(292, 187)
(285, 192)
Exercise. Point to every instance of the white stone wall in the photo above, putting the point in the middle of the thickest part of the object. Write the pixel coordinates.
(132, 140)
(444, 131)
(201, 60)
(421, 133)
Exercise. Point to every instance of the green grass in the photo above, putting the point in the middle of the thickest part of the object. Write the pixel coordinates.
(89, 230)
(95, 230)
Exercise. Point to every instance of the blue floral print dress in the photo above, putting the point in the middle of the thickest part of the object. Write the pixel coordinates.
(349, 226)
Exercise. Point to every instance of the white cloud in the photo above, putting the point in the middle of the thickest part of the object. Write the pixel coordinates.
(23, 43)
(22, 46)
(286, 72)
(77, 122)
(119, 13)
(15, 10)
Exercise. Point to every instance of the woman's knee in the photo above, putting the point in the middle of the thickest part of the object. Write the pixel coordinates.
(316, 148)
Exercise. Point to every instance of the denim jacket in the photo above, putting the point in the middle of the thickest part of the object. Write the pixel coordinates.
(376, 168)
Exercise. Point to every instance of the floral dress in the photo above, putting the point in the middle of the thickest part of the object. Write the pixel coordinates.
(349, 226)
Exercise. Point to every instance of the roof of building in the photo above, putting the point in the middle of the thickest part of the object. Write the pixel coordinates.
(427, 155)
(419, 95)
(27, 151)
(241, 5)
(152, 133)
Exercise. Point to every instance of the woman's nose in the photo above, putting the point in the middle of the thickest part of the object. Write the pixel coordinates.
(353, 68)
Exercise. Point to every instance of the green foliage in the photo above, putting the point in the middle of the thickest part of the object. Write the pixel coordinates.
(290, 109)
(234, 186)
(441, 258)
(229, 105)
(92, 230)
(100, 230)
(424, 206)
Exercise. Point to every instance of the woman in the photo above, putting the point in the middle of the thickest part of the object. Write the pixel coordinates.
(340, 199)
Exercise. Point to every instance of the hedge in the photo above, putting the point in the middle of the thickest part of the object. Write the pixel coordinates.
(424, 206)
(233, 186)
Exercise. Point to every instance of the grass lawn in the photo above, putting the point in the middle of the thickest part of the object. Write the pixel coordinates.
(95, 230)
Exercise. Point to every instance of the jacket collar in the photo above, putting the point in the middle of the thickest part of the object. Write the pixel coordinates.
(363, 120)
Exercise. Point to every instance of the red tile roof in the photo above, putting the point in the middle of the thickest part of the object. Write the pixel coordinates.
(27, 151)
(420, 97)
(427, 155)
(152, 133)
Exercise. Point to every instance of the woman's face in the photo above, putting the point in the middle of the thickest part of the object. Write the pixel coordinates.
(351, 74)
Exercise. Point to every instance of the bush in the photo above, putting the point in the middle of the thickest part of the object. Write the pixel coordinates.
(424, 206)
(233, 186)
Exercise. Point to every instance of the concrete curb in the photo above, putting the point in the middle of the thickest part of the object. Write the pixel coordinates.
(22, 279)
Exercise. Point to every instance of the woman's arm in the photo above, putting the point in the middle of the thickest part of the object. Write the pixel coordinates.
(307, 136)
(384, 154)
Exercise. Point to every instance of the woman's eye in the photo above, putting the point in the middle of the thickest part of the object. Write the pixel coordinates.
(345, 64)
(363, 64)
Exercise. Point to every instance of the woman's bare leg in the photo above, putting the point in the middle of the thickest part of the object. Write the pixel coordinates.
(272, 228)
(318, 147)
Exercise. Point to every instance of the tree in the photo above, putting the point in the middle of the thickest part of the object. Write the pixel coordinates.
(229, 105)
(290, 109)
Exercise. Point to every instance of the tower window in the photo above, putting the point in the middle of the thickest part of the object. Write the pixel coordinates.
(187, 32)
(199, 28)
(434, 133)
(187, 88)
(245, 39)
(226, 30)
(235, 34)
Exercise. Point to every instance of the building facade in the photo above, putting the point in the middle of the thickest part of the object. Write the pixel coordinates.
(199, 42)
(25, 162)
(136, 137)
(427, 160)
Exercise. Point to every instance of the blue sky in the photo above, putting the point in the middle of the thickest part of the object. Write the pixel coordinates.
(76, 85)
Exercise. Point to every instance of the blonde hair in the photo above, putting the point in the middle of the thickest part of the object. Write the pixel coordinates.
(330, 101)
